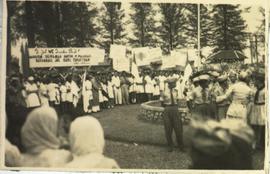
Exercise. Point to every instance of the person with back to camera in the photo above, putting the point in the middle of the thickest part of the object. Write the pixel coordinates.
(87, 144)
(40, 140)
(171, 116)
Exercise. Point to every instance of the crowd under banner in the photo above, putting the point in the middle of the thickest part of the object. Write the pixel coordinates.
(65, 57)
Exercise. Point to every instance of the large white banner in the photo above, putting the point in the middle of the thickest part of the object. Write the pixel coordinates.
(122, 64)
(117, 51)
(63, 57)
(179, 57)
(141, 56)
(167, 62)
(155, 54)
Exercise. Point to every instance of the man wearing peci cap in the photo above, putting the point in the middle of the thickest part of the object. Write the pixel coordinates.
(171, 117)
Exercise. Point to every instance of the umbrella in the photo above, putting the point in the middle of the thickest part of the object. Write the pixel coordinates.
(226, 56)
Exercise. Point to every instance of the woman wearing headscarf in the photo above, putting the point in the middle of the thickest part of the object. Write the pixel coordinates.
(87, 143)
(12, 155)
(39, 138)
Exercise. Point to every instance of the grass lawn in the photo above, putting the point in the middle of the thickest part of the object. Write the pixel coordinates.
(133, 156)
(138, 156)
(122, 124)
(137, 144)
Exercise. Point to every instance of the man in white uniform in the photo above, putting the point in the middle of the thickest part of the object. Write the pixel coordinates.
(117, 89)
(87, 94)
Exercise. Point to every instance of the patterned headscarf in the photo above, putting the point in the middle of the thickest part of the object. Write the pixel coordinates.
(40, 130)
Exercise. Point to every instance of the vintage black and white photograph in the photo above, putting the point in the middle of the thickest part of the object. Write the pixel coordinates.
(135, 85)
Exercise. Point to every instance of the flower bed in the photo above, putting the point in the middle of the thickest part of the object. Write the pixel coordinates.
(152, 111)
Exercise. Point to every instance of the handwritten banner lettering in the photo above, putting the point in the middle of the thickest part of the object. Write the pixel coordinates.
(62, 57)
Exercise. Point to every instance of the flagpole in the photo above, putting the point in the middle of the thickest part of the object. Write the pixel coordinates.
(199, 35)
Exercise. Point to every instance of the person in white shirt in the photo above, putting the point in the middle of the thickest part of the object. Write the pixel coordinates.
(148, 87)
(87, 94)
(162, 78)
(43, 93)
(104, 89)
(69, 96)
(140, 89)
(52, 87)
(63, 94)
(110, 92)
(117, 89)
(132, 88)
(156, 92)
(32, 93)
(95, 89)
(75, 92)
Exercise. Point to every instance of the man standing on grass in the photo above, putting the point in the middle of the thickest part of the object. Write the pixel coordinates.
(171, 117)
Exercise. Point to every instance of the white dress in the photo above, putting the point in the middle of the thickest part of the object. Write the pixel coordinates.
(156, 91)
(63, 90)
(69, 97)
(140, 88)
(117, 90)
(132, 87)
(75, 93)
(52, 91)
(87, 94)
(161, 83)
(148, 85)
(110, 89)
(32, 98)
(43, 94)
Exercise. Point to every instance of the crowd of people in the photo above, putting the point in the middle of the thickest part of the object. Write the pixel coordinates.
(47, 100)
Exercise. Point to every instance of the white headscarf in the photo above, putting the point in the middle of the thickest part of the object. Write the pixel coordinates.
(86, 136)
(40, 130)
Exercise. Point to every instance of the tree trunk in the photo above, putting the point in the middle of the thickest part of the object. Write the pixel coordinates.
(59, 15)
(30, 28)
(225, 27)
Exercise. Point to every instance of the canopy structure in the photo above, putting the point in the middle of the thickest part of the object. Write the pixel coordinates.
(226, 56)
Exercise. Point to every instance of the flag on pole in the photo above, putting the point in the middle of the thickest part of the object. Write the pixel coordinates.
(83, 83)
(187, 73)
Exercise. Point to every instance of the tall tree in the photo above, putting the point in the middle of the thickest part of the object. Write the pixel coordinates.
(143, 24)
(78, 19)
(15, 26)
(112, 21)
(192, 25)
(172, 26)
(228, 28)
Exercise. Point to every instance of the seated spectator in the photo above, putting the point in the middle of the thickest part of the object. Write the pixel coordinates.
(224, 145)
(39, 138)
(87, 143)
(12, 155)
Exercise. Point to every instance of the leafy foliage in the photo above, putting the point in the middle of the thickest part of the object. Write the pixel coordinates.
(172, 26)
(228, 28)
(143, 25)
